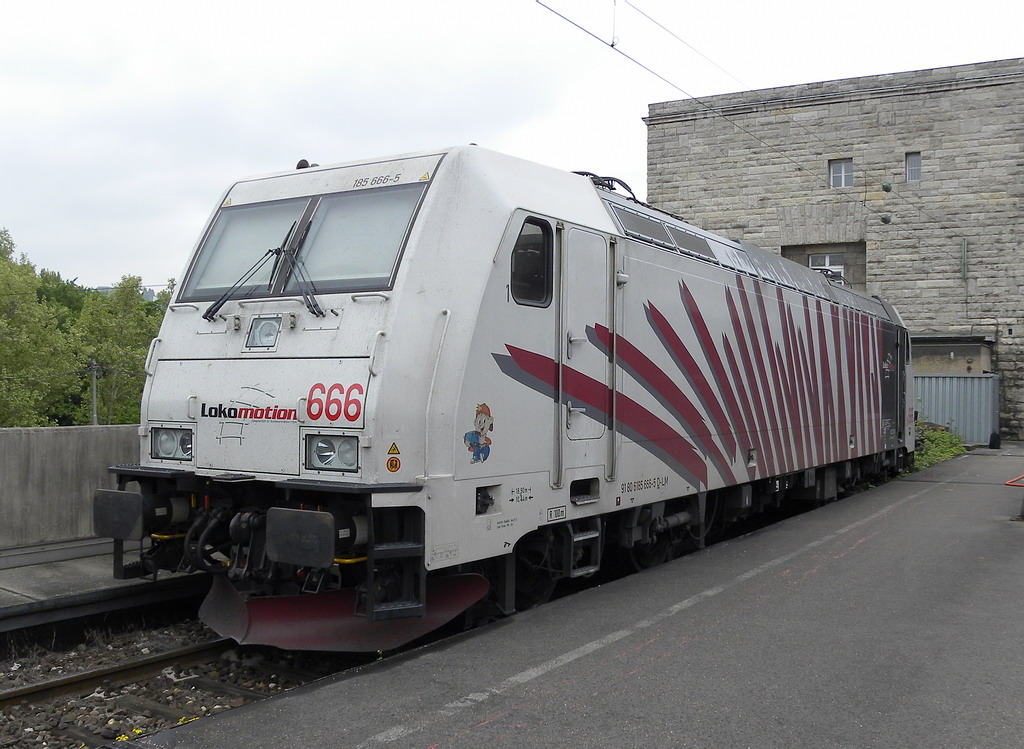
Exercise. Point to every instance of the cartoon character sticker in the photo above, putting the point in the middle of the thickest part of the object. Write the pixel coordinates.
(477, 441)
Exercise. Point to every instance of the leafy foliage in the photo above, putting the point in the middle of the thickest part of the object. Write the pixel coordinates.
(66, 297)
(114, 331)
(38, 364)
(50, 332)
(937, 445)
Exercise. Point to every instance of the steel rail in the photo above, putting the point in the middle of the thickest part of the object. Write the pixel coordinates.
(119, 672)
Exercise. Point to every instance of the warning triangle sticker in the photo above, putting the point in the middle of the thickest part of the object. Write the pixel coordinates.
(394, 449)
(426, 176)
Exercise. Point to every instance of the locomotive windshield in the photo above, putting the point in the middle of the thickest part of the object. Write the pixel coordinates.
(349, 241)
(354, 238)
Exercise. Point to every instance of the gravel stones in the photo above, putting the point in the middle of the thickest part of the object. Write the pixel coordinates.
(129, 710)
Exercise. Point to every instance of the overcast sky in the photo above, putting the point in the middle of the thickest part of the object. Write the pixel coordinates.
(121, 123)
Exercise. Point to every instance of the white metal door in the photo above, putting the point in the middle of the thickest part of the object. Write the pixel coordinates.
(585, 365)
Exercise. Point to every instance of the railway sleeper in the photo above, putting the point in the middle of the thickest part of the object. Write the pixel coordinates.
(143, 705)
(79, 736)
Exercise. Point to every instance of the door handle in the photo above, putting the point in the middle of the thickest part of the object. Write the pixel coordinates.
(569, 411)
(569, 341)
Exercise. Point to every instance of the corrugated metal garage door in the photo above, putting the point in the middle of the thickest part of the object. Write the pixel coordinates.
(967, 404)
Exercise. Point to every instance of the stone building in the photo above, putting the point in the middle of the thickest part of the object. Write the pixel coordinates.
(910, 185)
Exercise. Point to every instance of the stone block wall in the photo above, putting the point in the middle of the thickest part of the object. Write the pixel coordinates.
(754, 166)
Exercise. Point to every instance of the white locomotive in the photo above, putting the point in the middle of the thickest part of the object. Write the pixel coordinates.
(388, 391)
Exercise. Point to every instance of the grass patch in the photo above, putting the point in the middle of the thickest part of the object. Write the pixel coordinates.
(936, 446)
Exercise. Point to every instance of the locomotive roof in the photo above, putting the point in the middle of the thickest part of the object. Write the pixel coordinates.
(656, 228)
(671, 233)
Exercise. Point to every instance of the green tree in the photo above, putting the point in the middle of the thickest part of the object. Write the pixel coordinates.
(38, 368)
(115, 331)
(66, 297)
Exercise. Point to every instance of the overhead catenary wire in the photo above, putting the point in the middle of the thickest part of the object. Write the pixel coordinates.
(833, 147)
(844, 193)
(101, 370)
(45, 376)
(675, 86)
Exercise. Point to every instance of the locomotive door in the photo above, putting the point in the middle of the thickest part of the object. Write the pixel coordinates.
(584, 367)
(892, 386)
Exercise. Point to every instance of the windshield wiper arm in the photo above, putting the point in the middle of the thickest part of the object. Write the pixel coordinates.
(298, 270)
(213, 309)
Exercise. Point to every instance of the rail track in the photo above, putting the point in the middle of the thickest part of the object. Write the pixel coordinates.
(106, 705)
(134, 669)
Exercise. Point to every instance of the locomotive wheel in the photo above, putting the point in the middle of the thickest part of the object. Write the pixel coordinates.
(535, 579)
(651, 554)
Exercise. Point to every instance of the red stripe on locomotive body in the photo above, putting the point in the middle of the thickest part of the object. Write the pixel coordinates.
(876, 382)
(811, 455)
(853, 377)
(775, 389)
(645, 426)
(779, 407)
(808, 377)
(662, 387)
(790, 366)
(862, 379)
(863, 347)
(753, 432)
(732, 429)
(827, 387)
(805, 412)
(839, 386)
(870, 382)
(867, 364)
(813, 384)
(700, 328)
(748, 376)
(789, 375)
(761, 387)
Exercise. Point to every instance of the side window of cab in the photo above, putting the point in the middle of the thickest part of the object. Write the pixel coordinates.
(531, 264)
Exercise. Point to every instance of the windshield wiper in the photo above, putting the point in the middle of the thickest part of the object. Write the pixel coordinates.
(298, 271)
(213, 309)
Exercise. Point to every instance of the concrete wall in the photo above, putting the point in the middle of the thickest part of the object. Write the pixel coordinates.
(48, 475)
(754, 166)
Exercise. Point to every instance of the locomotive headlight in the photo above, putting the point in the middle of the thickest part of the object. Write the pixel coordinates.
(324, 452)
(171, 444)
(166, 443)
(329, 452)
(263, 332)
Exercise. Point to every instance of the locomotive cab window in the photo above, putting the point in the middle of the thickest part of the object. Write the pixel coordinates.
(531, 265)
(340, 242)
(235, 245)
(354, 239)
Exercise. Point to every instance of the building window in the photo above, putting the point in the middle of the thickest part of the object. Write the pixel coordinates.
(833, 263)
(840, 172)
(830, 261)
(914, 167)
(847, 259)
